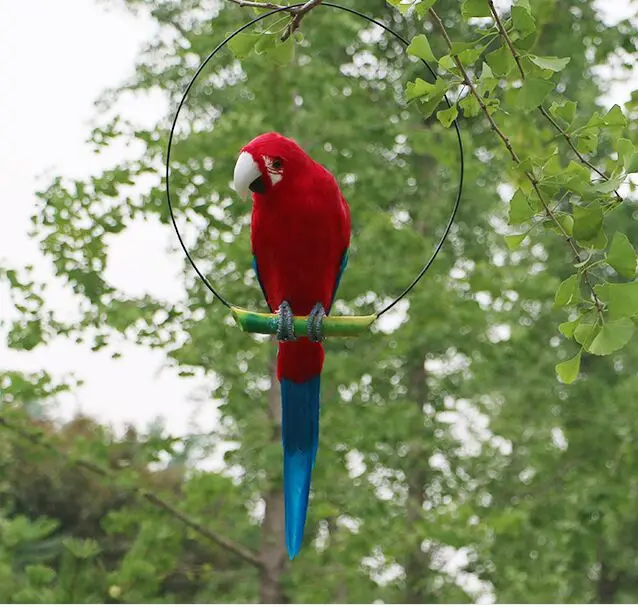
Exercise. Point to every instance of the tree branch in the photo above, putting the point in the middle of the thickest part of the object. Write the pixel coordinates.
(508, 40)
(543, 110)
(40, 441)
(300, 13)
(548, 211)
(270, 5)
(297, 13)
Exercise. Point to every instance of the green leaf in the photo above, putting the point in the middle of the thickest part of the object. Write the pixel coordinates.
(429, 95)
(568, 328)
(622, 299)
(475, 8)
(622, 256)
(624, 147)
(82, 549)
(470, 106)
(520, 208)
(283, 52)
(587, 222)
(459, 47)
(615, 118)
(469, 56)
(631, 166)
(566, 222)
(403, 7)
(628, 154)
(568, 370)
(565, 110)
(420, 47)
(598, 242)
(422, 89)
(513, 241)
(266, 43)
(242, 44)
(595, 122)
(447, 63)
(428, 107)
(39, 575)
(533, 93)
(522, 18)
(568, 292)
(501, 61)
(416, 89)
(424, 6)
(587, 143)
(576, 177)
(609, 185)
(612, 337)
(555, 64)
(487, 82)
(447, 117)
(585, 333)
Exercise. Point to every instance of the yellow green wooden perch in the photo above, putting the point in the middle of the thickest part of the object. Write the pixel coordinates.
(333, 326)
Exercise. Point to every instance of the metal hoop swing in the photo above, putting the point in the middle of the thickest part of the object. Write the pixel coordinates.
(337, 326)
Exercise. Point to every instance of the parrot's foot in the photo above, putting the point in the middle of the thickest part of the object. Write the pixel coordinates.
(315, 323)
(285, 325)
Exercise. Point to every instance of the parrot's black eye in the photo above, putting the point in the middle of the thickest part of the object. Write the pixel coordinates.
(277, 163)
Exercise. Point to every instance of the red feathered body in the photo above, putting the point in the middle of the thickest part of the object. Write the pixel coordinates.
(300, 231)
(300, 234)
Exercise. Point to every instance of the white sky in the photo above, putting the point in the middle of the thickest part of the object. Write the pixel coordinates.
(74, 50)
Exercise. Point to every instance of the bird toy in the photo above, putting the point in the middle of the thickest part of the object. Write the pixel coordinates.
(300, 237)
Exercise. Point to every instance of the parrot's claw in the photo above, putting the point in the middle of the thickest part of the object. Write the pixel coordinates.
(315, 323)
(285, 325)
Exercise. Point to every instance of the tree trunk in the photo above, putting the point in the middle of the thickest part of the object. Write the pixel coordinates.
(273, 545)
(607, 586)
(417, 562)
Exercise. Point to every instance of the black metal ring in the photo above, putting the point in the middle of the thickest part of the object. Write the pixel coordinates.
(219, 47)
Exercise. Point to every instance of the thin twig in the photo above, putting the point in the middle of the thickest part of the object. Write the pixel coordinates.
(300, 13)
(535, 184)
(269, 5)
(237, 549)
(297, 13)
(508, 40)
(570, 142)
(543, 110)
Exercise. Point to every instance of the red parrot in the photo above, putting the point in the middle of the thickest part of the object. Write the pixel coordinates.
(300, 236)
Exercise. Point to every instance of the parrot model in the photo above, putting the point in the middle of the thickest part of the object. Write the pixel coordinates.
(300, 236)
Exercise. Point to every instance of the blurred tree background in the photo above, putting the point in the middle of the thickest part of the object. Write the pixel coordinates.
(454, 466)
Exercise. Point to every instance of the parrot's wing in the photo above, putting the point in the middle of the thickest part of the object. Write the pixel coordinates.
(261, 284)
(342, 269)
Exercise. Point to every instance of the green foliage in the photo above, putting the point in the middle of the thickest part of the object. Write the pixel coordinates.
(420, 47)
(565, 200)
(446, 431)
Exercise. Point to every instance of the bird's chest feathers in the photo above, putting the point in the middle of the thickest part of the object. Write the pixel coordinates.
(294, 241)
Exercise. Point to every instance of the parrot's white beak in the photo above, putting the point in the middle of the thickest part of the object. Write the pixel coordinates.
(246, 174)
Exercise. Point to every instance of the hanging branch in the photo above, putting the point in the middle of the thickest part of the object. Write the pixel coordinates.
(256, 4)
(530, 176)
(297, 13)
(300, 13)
(39, 440)
(541, 108)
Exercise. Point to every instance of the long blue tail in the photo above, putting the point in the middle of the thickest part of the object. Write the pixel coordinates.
(300, 437)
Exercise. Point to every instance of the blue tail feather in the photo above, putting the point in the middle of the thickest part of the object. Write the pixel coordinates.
(300, 437)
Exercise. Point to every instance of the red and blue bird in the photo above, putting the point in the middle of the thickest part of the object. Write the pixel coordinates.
(300, 236)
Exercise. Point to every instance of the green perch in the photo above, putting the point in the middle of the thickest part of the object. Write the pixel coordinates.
(333, 326)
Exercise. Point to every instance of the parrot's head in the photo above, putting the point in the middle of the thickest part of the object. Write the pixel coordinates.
(270, 163)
